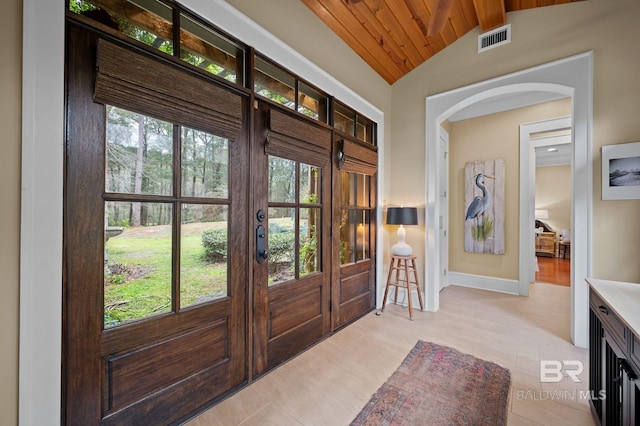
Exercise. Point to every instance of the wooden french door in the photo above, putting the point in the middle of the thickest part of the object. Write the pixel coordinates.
(155, 234)
(186, 272)
(292, 198)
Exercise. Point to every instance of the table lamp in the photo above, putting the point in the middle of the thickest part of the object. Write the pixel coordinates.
(402, 216)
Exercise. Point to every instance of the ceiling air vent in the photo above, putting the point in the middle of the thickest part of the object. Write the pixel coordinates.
(494, 38)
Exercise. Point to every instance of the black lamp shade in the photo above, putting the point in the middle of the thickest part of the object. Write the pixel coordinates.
(402, 216)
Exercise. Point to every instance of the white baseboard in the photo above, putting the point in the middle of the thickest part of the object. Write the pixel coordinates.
(481, 282)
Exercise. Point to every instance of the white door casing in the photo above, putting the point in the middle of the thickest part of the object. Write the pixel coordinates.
(443, 165)
(528, 185)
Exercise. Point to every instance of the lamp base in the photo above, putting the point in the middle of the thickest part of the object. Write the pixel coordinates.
(401, 249)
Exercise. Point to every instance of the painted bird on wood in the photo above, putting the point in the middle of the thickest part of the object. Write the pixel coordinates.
(479, 204)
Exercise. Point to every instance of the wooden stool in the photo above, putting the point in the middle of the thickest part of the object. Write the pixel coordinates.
(406, 264)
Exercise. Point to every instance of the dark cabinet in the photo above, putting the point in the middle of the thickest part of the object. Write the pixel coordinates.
(613, 367)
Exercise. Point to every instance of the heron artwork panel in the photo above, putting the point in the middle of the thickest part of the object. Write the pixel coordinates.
(484, 206)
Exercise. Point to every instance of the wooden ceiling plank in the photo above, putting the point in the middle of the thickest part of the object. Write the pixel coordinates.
(511, 5)
(420, 17)
(459, 22)
(440, 12)
(469, 12)
(420, 14)
(491, 14)
(528, 4)
(385, 27)
(387, 12)
(392, 36)
(435, 41)
(448, 33)
(411, 26)
(372, 54)
(352, 25)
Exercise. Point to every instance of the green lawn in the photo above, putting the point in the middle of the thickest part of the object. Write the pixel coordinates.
(138, 272)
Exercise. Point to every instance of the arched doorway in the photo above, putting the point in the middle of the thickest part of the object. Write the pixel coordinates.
(568, 77)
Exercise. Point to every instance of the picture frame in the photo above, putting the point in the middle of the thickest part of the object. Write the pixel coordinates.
(621, 171)
(484, 205)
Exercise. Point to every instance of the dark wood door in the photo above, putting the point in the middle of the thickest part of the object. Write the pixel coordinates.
(354, 221)
(156, 238)
(292, 186)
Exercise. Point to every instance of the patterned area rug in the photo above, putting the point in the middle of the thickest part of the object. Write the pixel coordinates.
(438, 385)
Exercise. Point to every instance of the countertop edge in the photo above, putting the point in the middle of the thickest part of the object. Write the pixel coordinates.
(629, 315)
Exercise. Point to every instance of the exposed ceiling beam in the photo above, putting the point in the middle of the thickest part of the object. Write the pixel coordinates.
(491, 14)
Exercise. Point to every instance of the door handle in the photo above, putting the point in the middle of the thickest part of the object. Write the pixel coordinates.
(261, 241)
(626, 367)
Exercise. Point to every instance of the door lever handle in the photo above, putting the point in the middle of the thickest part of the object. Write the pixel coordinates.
(261, 241)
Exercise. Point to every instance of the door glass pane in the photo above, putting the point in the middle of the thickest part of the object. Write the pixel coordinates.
(205, 164)
(137, 260)
(282, 180)
(282, 237)
(203, 253)
(354, 236)
(309, 241)
(347, 233)
(362, 235)
(362, 191)
(309, 184)
(347, 189)
(139, 154)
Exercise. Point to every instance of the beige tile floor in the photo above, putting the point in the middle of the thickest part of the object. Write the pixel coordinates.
(330, 383)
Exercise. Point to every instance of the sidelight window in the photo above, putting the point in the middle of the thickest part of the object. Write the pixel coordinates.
(355, 217)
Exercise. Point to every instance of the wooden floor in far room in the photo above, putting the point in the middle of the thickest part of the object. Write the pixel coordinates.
(554, 270)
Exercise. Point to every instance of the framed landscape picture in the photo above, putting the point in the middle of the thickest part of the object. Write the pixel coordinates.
(621, 171)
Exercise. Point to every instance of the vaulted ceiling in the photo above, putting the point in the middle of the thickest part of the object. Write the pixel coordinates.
(395, 36)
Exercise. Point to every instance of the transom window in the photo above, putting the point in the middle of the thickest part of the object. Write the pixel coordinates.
(200, 44)
(151, 22)
(352, 123)
(278, 85)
